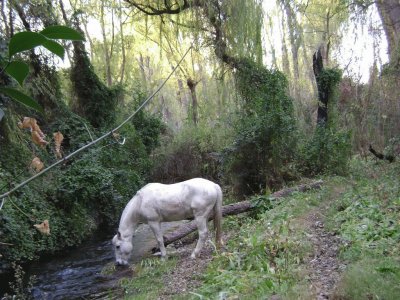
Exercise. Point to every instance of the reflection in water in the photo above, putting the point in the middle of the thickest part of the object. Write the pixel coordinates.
(78, 275)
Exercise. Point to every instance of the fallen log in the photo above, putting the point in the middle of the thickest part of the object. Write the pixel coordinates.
(235, 209)
(379, 155)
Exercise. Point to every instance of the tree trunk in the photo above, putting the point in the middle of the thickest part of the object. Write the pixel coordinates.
(143, 72)
(235, 209)
(285, 53)
(389, 11)
(107, 52)
(323, 96)
(294, 36)
(194, 109)
(4, 17)
(67, 23)
(123, 53)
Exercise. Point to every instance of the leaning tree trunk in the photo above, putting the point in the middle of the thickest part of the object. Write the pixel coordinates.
(235, 209)
(323, 95)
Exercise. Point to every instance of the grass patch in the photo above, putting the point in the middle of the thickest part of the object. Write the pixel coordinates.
(264, 253)
(367, 214)
(148, 279)
(371, 279)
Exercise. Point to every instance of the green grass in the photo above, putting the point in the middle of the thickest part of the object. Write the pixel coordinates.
(148, 279)
(266, 255)
(377, 278)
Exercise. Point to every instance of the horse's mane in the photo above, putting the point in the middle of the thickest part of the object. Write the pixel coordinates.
(129, 217)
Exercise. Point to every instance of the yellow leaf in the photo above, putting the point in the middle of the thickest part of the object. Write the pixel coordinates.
(37, 164)
(38, 140)
(31, 123)
(58, 138)
(43, 227)
(116, 135)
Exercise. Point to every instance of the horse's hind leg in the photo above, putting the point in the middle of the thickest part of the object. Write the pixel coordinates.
(156, 228)
(202, 227)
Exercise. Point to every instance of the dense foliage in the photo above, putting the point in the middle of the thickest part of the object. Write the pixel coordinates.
(93, 99)
(263, 149)
(329, 148)
(80, 195)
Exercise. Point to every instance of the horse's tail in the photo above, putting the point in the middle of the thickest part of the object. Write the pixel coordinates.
(218, 217)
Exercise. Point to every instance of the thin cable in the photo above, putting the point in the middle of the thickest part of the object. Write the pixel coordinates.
(98, 139)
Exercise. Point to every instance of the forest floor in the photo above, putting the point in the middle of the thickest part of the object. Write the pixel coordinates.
(339, 242)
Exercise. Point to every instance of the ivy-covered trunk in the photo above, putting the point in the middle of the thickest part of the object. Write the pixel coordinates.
(323, 95)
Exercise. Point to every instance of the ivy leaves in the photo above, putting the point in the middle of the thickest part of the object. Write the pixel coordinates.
(28, 40)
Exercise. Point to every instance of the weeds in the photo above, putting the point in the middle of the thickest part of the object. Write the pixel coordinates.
(21, 288)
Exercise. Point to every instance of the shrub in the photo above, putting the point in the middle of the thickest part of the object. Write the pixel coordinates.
(193, 152)
(263, 148)
(329, 149)
(326, 151)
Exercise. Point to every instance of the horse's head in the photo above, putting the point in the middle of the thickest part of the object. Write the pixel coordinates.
(123, 249)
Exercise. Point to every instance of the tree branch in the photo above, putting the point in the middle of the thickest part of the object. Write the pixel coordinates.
(167, 10)
(389, 158)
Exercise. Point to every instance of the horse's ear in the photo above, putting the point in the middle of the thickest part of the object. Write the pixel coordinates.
(119, 235)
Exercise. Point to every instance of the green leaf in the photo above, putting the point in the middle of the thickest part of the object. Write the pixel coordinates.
(21, 98)
(24, 41)
(18, 70)
(54, 47)
(1, 114)
(62, 32)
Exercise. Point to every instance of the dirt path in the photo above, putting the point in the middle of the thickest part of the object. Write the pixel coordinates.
(185, 276)
(324, 266)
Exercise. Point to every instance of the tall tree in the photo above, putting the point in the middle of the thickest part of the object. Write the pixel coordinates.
(224, 18)
(108, 46)
(389, 11)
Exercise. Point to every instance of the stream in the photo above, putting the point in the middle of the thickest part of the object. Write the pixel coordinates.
(78, 274)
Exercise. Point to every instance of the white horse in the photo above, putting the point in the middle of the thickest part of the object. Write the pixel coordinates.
(155, 203)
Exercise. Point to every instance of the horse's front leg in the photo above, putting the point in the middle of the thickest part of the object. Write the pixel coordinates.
(203, 232)
(156, 228)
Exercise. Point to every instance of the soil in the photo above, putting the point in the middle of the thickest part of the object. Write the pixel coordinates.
(324, 266)
(185, 277)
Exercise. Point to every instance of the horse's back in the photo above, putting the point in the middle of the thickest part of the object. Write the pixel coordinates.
(171, 202)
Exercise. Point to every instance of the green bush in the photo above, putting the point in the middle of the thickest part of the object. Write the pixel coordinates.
(193, 152)
(326, 152)
(262, 152)
(148, 126)
(329, 149)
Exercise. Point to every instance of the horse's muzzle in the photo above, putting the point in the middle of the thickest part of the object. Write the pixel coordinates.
(121, 262)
